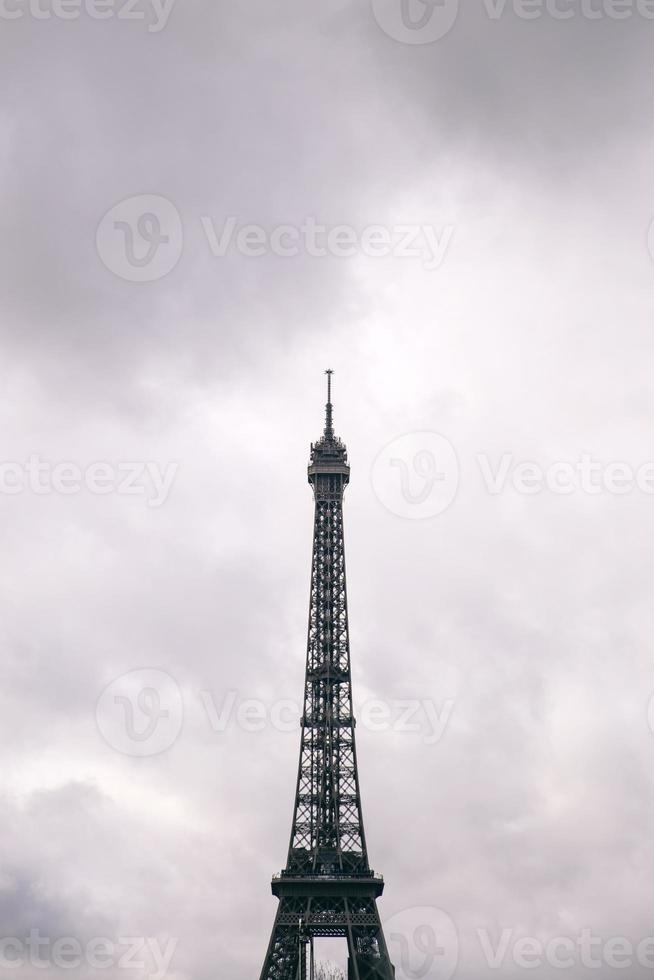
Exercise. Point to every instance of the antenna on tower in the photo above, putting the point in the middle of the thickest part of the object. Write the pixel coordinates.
(329, 426)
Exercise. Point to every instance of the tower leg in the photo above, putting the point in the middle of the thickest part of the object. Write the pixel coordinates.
(283, 957)
(368, 956)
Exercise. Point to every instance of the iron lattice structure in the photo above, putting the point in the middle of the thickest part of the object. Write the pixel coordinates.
(327, 887)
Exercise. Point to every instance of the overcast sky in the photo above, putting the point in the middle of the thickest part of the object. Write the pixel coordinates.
(147, 348)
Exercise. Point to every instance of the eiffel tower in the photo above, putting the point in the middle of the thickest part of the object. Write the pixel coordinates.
(327, 888)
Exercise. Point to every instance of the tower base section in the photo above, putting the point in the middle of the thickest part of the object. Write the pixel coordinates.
(301, 918)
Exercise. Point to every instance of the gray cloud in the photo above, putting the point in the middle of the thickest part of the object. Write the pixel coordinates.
(532, 614)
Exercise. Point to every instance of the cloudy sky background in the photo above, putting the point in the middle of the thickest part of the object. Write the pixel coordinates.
(531, 615)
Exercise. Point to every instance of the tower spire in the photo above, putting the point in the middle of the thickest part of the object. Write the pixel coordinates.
(329, 422)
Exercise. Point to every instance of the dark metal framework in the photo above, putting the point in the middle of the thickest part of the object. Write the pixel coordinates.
(327, 887)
